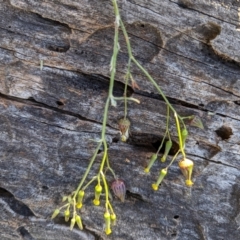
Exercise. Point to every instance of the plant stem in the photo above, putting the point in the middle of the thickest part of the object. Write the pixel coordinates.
(106, 189)
(154, 84)
(140, 66)
(125, 88)
(88, 169)
(127, 99)
(174, 157)
(181, 146)
(92, 180)
(166, 132)
(113, 71)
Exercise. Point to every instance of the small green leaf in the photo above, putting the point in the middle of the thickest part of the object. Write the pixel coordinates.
(55, 213)
(196, 122)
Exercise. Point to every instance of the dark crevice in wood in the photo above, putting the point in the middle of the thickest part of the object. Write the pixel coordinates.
(224, 132)
(220, 58)
(170, 99)
(25, 234)
(32, 101)
(115, 140)
(48, 21)
(174, 233)
(152, 142)
(210, 51)
(212, 161)
(59, 103)
(16, 205)
(58, 48)
(190, 6)
(237, 102)
(99, 151)
(174, 149)
(93, 233)
(40, 104)
(186, 4)
(60, 220)
(118, 89)
(135, 196)
(183, 103)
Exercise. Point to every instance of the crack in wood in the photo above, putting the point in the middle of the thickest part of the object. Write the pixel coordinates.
(189, 4)
(25, 234)
(32, 101)
(17, 206)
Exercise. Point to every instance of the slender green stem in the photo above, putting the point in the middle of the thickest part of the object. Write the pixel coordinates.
(166, 132)
(125, 88)
(154, 84)
(92, 180)
(88, 169)
(106, 189)
(141, 68)
(104, 156)
(112, 68)
(109, 168)
(181, 145)
(111, 208)
(159, 148)
(174, 157)
(127, 99)
(167, 124)
(64, 206)
(113, 72)
(74, 208)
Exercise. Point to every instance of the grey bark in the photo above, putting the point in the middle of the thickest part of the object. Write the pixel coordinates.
(48, 117)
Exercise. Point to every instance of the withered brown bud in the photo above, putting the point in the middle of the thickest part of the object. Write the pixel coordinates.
(124, 125)
(119, 189)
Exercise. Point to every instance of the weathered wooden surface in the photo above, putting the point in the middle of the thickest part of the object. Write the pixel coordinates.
(48, 116)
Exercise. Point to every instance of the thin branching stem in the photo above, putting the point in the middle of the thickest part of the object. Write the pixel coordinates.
(125, 87)
(88, 169)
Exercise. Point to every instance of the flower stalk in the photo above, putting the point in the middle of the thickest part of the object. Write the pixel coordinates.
(101, 190)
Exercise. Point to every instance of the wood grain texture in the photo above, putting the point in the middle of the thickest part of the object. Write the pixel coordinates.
(48, 117)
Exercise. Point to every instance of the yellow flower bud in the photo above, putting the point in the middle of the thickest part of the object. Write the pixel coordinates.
(113, 218)
(107, 218)
(98, 188)
(79, 222)
(146, 170)
(168, 146)
(81, 194)
(98, 191)
(155, 186)
(79, 205)
(152, 160)
(79, 199)
(67, 215)
(96, 202)
(73, 221)
(55, 213)
(163, 173)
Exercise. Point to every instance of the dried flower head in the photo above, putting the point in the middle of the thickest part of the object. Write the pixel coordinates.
(124, 125)
(119, 189)
(186, 166)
